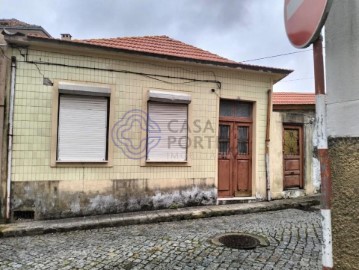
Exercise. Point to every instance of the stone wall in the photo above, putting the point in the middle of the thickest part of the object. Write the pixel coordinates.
(344, 154)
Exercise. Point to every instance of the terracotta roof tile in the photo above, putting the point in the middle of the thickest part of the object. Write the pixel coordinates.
(161, 45)
(165, 46)
(12, 23)
(288, 98)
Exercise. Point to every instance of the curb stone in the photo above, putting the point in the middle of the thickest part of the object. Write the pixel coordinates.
(156, 216)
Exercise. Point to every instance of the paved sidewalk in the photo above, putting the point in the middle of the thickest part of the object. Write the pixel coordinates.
(146, 217)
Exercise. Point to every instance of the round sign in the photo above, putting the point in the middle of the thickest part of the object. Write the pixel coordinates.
(304, 20)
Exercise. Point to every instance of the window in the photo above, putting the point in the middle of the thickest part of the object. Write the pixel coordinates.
(232, 108)
(167, 126)
(83, 120)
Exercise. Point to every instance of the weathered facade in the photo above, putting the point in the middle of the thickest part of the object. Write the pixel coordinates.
(111, 168)
(294, 166)
(342, 56)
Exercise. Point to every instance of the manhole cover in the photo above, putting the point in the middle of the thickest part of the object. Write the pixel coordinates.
(240, 240)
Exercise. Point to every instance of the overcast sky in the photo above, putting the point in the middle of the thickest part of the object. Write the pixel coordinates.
(237, 29)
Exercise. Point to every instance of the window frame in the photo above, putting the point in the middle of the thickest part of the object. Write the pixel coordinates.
(187, 133)
(54, 162)
(144, 134)
(237, 118)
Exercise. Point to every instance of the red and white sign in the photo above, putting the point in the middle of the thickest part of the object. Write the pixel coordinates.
(304, 20)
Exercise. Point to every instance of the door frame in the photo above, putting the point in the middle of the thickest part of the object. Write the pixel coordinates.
(301, 151)
(234, 122)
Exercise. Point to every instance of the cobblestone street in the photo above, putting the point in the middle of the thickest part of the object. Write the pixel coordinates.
(294, 237)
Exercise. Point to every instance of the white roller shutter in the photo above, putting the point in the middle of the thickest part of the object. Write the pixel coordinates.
(82, 131)
(172, 121)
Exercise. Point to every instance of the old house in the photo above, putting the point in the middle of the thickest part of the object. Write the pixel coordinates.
(122, 124)
(294, 166)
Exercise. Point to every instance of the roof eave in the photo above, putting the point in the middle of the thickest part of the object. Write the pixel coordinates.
(28, 40)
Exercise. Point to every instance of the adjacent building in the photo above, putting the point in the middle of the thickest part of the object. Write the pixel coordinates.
(294, 166)
(342, 58)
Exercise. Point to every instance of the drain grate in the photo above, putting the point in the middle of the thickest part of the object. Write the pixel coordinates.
(20, 215)
(240, 240)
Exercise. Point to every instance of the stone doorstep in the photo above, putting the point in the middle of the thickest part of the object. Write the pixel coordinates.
(167, 215)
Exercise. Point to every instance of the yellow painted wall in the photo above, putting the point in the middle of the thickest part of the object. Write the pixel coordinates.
(276, 155)
(33, 108)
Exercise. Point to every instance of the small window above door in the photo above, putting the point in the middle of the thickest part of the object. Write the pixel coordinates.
(234, 108)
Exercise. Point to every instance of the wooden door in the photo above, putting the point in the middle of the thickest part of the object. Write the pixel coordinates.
(234, 159)
(243, 160)
(292, 157)
(225, 159)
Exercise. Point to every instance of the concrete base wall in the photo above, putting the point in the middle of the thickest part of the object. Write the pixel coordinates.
(344, 154)
(59, 199)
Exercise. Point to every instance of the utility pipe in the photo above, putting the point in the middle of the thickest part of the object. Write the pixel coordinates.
(269, 111)
(10, 134)
(326, 181)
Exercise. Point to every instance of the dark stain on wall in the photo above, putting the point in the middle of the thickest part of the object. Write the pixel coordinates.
(344, 154)
(48, 201)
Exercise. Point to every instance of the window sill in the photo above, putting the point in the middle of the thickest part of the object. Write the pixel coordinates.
(149, 163)
(82, 164)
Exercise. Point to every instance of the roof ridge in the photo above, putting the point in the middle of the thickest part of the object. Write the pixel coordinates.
(124, 37)
(170, 39)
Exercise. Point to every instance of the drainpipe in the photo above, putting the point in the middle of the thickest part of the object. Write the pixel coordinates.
(325, 173)
(269, 111)
(3, 81)
(10, 134)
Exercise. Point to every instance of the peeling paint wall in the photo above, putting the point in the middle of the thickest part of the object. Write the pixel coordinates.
(126, 185)
(52, 199)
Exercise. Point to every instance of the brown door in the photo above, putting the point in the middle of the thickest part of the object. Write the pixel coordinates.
(243, 160)
(234, 159)
(293, 157)
(225, 159)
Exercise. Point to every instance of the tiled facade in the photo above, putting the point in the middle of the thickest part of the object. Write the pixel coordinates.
(77, 190)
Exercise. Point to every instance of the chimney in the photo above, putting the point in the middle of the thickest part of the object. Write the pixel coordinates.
(66, 37)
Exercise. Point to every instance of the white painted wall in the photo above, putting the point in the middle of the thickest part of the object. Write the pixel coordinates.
(342, 68)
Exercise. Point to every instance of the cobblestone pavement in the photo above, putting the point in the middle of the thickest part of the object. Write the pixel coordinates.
(294, 237)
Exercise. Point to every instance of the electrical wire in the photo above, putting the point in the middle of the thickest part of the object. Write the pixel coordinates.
(299, 79)
(148, 75)
(343, 101)
(274, 56)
